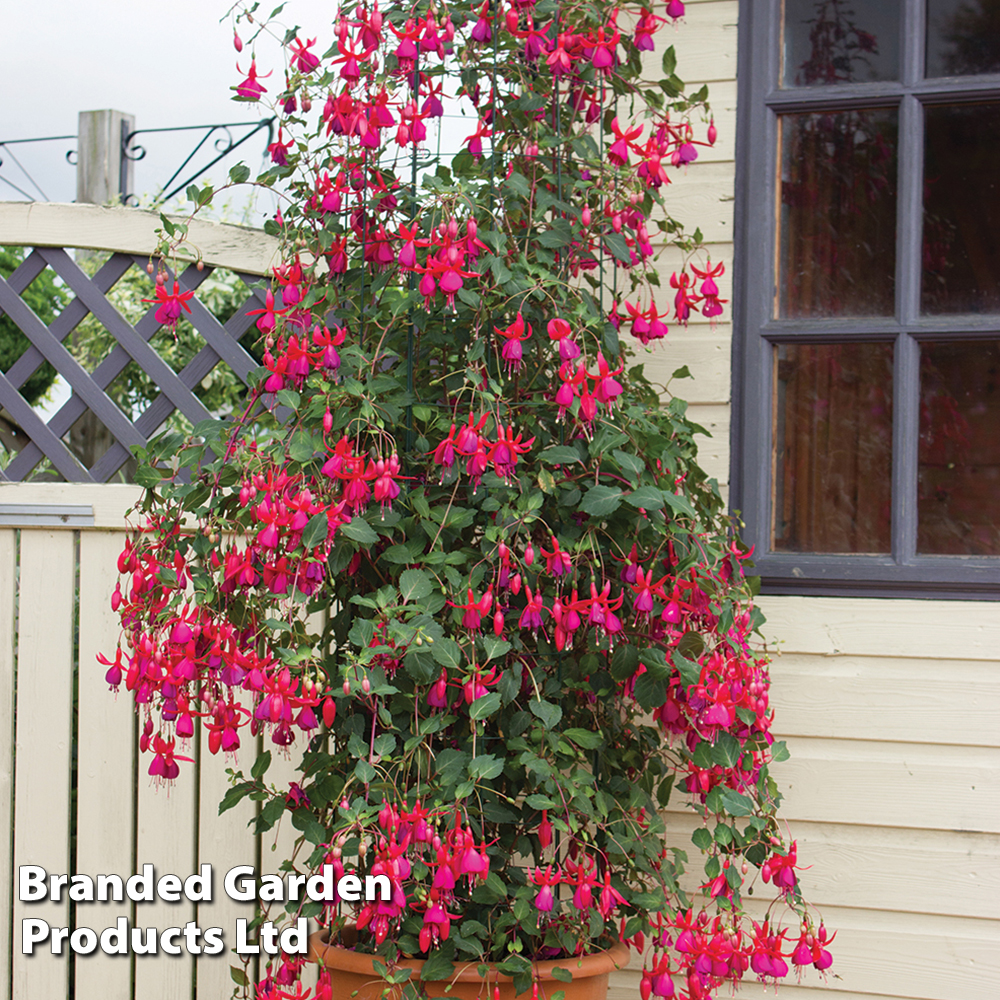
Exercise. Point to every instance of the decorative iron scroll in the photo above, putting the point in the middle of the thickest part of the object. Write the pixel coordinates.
(32, 438)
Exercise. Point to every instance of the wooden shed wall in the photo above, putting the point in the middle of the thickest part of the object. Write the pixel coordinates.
(891, 708)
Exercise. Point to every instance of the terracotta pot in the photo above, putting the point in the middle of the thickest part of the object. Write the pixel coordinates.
(352, 971)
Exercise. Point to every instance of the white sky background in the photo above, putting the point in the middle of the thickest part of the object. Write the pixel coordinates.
(169, 63)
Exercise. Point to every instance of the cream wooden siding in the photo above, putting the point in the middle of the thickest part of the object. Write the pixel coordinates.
(891, 709)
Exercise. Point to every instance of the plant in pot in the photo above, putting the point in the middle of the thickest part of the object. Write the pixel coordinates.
(457, 552)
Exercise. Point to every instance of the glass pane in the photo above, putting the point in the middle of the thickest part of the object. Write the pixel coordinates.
(961, 243)
(963, 37)
(840, 41)
(833, 448)
(958, 505)
(837, 229)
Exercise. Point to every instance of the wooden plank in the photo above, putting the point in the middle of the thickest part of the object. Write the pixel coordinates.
(167, 831)
(890, 784)
(702, 198)
(109, 500)
(223, 842)
(881, 698)
(105, 748)
(856, 626)
(43, 746)
(705, 40)
(707, 358)
(940, 872)
(8, 578)
(131, 230)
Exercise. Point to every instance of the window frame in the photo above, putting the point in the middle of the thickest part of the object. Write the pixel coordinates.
(760, 100)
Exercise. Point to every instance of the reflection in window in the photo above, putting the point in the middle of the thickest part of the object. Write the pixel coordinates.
(963, 37)
(837, 233)
(840, 41)
(958, 505)
(833, 448)
(961, 238)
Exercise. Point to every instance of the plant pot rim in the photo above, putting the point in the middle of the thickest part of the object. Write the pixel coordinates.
(584, 966)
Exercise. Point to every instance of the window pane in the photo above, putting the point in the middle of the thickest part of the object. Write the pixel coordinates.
(959, 472)
(837, 231)
(833, 448)
(840, 41)
(961, 242)
(963, 37)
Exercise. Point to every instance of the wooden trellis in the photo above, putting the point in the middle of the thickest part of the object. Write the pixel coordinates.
(49, 230)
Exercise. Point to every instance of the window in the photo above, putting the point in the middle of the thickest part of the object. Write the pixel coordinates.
(866, 441)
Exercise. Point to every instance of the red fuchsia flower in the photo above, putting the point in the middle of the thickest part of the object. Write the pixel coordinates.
(302, 59)
(561, 332)
(478, 685)
(768, 960)
(781, 867)
(646, 326)
(327, 344)
(645, 590)
(505, 452)
(685, 297)
(573, 378)
(513, 335)
(475, 141)
(618, 152)
(713, 132)
(601, 609)
(279, 150)
(567, 618)
(408, 255)
(710, 290)
(444, 453)
(468, 437)
(268, 315)
(531, 616)
(163, 766)
(437, 924)
(545, 900)
(475, 609)
(606, 387)
(545, 830)
(810, 949)
(559, 60)
(610, 897)
(482, 30)
(647, 26)
(385, 489)
(171, 304)
(557, 562)
(251, 88)
(675, 9)
(604, 55)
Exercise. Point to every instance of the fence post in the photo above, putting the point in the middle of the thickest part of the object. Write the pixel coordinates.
(102, 174)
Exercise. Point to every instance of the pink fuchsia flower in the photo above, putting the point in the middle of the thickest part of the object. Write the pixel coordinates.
(268, 315)
(646, 326)
(474, 609)
(302, 59)
(468, 437)
(624, 140)
(531, 616)
(327, 343)
(505, 452)
(251, 88)
(545, 900)
(475, 141)
(709, 289)
(385, 489)
(561, 332)
(675, 9)
(512, 351)
(604, 54)
(482, 30)
(685, 297)
(647, 26)
(606, 387)
(171, 303)
(557, 562)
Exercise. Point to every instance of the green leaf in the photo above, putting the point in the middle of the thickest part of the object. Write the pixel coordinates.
(414, 584)
(615, 242)
(384, 744)
(239, 174)
(289, 398)
(302, 446)
(701, 839)
(261, 764)
(624, 662)
(495, 647)
(600, 501)
(726, 750)
(238, 976)
(560, 454)
(646, 497)
(779, 751)
(584, 738)
(486, 765)
(650, 692)
(689, 670)
(682, 372)
(736, 804)
(365, 772)
(563, 975)
(487, 705)
(359, 530)
(448, 653)
(148, 477)
(549, 714)
(669, 61)
(235, 795)
(315, 531)
(437, 967)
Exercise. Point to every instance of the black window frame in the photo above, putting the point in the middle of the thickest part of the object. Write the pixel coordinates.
(760, 99)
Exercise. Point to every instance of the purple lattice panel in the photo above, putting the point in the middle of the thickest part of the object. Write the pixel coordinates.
(131, 344)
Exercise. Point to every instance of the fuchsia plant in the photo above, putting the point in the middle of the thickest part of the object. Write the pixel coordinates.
(537, 628)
